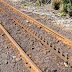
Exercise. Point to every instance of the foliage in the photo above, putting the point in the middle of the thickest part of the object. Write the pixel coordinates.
(40, 2)
(63, 13)
(67, 6)
(27, 4)
(37, 3)
(56, 4)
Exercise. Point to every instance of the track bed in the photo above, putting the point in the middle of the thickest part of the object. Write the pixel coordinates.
(41, 54)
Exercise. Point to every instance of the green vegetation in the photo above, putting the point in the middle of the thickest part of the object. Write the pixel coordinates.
(62, 13)
(64, 6)
(37, 3)
(40, 2)
(67, 6)
(56, 4)
(27, 4)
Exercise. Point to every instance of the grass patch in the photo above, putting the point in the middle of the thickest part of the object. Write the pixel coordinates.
(28, 4)
(37, 4)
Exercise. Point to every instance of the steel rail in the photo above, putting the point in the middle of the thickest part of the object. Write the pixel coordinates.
(51, 47)
(24, 56)
(60, 37)
(58, 51)
(3, 11)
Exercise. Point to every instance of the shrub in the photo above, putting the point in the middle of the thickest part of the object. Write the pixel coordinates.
(37, 3)
(40, 2)
(67, 6)
(56, 4)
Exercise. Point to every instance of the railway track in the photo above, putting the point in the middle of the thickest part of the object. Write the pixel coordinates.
(55, 42)
(27, 60)
(10, 58)
(65, 40)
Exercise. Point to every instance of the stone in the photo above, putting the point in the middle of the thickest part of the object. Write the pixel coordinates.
(9, 51)
(18, 59)
(19, 55)
(13, 57)
(14, 61)
(65, 64)
(29, 25)
(6, 62)
(27, 21)
(6, 46)
(61, 63)
(30, 56)
(48, 50)
(45, 52)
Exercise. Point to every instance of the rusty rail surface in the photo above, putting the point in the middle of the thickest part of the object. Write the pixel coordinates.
(45, 42)
(65, 40)
(26, 59)
(3, 11)
(58, 51)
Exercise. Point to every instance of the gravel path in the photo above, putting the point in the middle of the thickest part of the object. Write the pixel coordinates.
(10, 59)
(44, 59)
(48, 17)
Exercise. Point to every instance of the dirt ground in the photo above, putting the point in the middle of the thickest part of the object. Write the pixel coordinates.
(46, 60)
(10, 58)
(47, 16)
